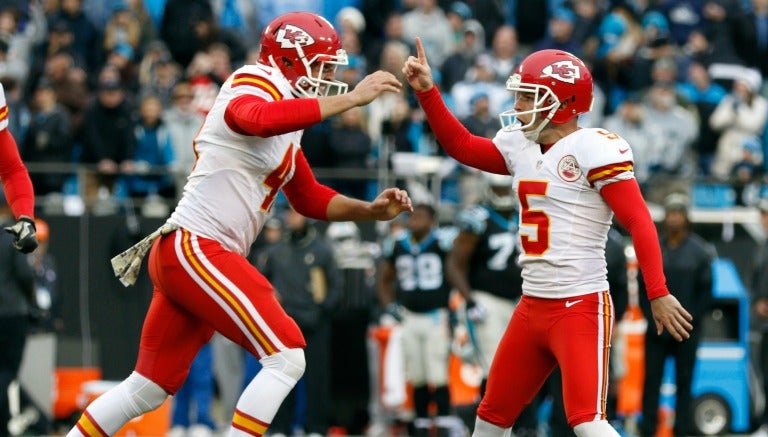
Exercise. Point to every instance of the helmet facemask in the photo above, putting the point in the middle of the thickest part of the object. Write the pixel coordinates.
(545, 103)
(310, 82)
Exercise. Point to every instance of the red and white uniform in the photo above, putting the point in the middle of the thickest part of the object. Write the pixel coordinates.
(564, 220)
(247, 150)
(568, 193)
(13, 174)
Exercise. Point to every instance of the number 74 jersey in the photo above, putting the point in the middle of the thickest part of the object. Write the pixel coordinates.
(564, 220)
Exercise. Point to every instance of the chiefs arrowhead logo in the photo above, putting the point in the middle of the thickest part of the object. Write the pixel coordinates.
(564, 71)
(291, 36)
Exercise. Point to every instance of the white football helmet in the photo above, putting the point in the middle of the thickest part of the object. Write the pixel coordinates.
(499, 191)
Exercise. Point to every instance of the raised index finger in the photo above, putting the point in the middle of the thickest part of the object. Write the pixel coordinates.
(420, 51)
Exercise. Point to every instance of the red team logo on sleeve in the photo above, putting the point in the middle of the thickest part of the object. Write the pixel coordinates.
(564, 71)
(291, 36)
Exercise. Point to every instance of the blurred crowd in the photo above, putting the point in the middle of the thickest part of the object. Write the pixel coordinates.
(123, 85)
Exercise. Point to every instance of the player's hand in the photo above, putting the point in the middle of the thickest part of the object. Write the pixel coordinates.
(476, 312)
(390, 203)
(373, 85)
(24, 237)
(417, 71)
(670, 315)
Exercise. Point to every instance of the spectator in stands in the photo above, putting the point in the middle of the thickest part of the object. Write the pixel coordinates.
(455, 67)
(162, 78)
(382, 110)
(177, 28)
(86, 42)
(481, 121)
(504, 54)
(458, 14)
(752, 43)
(208, 33)
(740, 114)
(704, 94)
(123, 27)
(654, 45)
(147, 29)
(676, 129)
(21, 40)
(351, 148)
(154, 151)
(428, 21)
(48, 138)
(183, 122)
(122, 59)
(560, 33)
(392, 32)
(480, 78)
(108, 136)
(71, 87)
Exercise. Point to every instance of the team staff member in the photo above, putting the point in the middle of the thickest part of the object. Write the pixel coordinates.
(248, 149)
(688, 265)
(569, 181)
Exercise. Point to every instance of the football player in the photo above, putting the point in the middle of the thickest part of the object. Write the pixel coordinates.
(482, 267)
(413, 289)
(17, 186)
(248, 149)
(569, 182)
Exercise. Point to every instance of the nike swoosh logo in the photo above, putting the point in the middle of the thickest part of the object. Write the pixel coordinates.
(623, 151)
(569, 304)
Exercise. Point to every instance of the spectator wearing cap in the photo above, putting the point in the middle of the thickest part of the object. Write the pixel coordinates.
(687, 260)
(108, 136)
(741, 114)
(122, 59)
(481, 77)
(759, 300)
(457, 14)
(48, 138)
(560, 33)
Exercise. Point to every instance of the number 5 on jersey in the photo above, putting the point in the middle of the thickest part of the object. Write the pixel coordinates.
(539, 243)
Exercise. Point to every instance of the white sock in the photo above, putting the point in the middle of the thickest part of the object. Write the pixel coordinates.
(487, 429)
(259, 402)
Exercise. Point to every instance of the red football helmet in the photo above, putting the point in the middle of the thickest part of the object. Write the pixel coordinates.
(561, 86)
(296, 42)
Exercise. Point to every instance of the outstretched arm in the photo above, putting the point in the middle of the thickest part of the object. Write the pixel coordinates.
(315, 200)
(15, 178)
(253, 115)
(468, 149)
(627, 203)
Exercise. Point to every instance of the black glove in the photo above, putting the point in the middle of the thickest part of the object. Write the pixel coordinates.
(24, 238)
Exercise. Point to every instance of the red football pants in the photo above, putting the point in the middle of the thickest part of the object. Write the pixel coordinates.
(200, 287)
(574, 333)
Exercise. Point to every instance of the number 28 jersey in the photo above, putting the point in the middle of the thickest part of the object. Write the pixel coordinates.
(564, 220)
(237, 177)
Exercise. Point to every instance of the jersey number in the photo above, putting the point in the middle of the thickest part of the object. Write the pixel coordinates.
(538, 244)
(276, 179)
(423, 272)
(504, 244)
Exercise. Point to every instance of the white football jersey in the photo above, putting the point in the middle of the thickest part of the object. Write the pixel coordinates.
(3, 109)
(236, 178)
(564, 221)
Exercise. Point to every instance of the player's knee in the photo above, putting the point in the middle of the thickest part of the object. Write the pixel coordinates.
(289, 362)
(143, 394)
(595, 428)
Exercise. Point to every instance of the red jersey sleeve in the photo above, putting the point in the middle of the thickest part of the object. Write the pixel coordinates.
(307, 196)
(627, 203)
(458, 142)
(249, 114)
(15, 178)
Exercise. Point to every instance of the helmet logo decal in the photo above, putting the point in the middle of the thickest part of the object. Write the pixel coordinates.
(564, 71)
(568, 168)
(291, 36)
